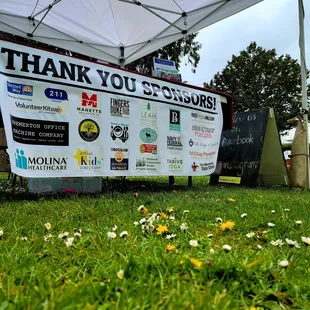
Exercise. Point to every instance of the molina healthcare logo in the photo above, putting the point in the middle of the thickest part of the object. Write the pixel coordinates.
(20, 89)
(45, 163)
(87, 160)
(21, 160)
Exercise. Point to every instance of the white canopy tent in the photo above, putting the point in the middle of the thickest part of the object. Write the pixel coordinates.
(116, 31)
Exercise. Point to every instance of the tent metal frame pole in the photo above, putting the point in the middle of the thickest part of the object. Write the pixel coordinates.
(303, 66)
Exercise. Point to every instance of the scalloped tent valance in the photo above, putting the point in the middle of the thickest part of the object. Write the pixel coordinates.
(116, 31)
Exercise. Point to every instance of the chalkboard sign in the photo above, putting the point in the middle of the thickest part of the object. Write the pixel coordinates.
(241, 148)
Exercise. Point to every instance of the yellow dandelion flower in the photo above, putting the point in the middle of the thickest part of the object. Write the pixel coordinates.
(195, 262)
(217, 200)
(161, 229)
(163, 215)
(231, 200)
(227, 225)
(170, 209)
(170, 247)
(181, 262)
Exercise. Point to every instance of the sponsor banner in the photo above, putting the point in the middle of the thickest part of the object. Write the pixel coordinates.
(66, 117)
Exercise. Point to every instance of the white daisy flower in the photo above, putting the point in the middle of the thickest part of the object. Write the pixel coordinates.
(186, 211)
(69, 242)
(136, 223)
(77, 234)
(273, 211)
(171, 236)
(63, 235)
(244, 215)
(184, 227)
(271, 224)
(114, 228)
(48, 237)
(277, 243)
(306, 240)
(250, 235)
(123, 234)
(209, 235)
(1, 232)
(292, 243)
(193, 243)
(23, 238)
(152, 218)
(212, 251)
(265, 231)
(111, 235)
(140, 208)
(226, 247)
(142, 221)
(287, 210)
(219, 220)
(172, 218)
(120, 274)
(298, 222)
(259, 246)
(284, 263)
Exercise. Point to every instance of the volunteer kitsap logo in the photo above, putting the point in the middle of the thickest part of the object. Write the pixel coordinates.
(20, 89)
(38, 108)
(87, 160)
(46, 163)
(89, 104)
(89, 130)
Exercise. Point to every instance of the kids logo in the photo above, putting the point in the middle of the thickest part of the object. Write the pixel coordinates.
(174, 120)
(119, 131)
(87, 160)
(20, 89)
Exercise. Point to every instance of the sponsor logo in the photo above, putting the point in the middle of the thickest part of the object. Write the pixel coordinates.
(201, 154)
(119, 131)
(87, 160)
(207, 166)
(201, 116)
(56, 94)
(148, 113)
(39, 109)
(20, 89)
(89, 130)
(40, 132)
(148, 163)
(148, 148)
(174, 120)
(148, 135)
(203, 131)
(89, 104)
(119, 107)
(192, 143)
(194, 166)
(119, 159)
(174, 143)
(175, 164)
(45, 163)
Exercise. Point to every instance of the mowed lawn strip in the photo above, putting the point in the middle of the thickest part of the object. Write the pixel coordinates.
(144, 269)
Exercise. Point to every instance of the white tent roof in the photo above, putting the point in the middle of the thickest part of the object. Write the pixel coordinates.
(113, 30)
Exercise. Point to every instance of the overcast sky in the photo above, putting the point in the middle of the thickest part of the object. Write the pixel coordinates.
(271, 23)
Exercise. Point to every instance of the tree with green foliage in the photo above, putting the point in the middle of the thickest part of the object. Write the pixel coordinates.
(259, 78)
(186, 48)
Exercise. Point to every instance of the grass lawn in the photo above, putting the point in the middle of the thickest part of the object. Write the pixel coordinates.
(158, 273)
